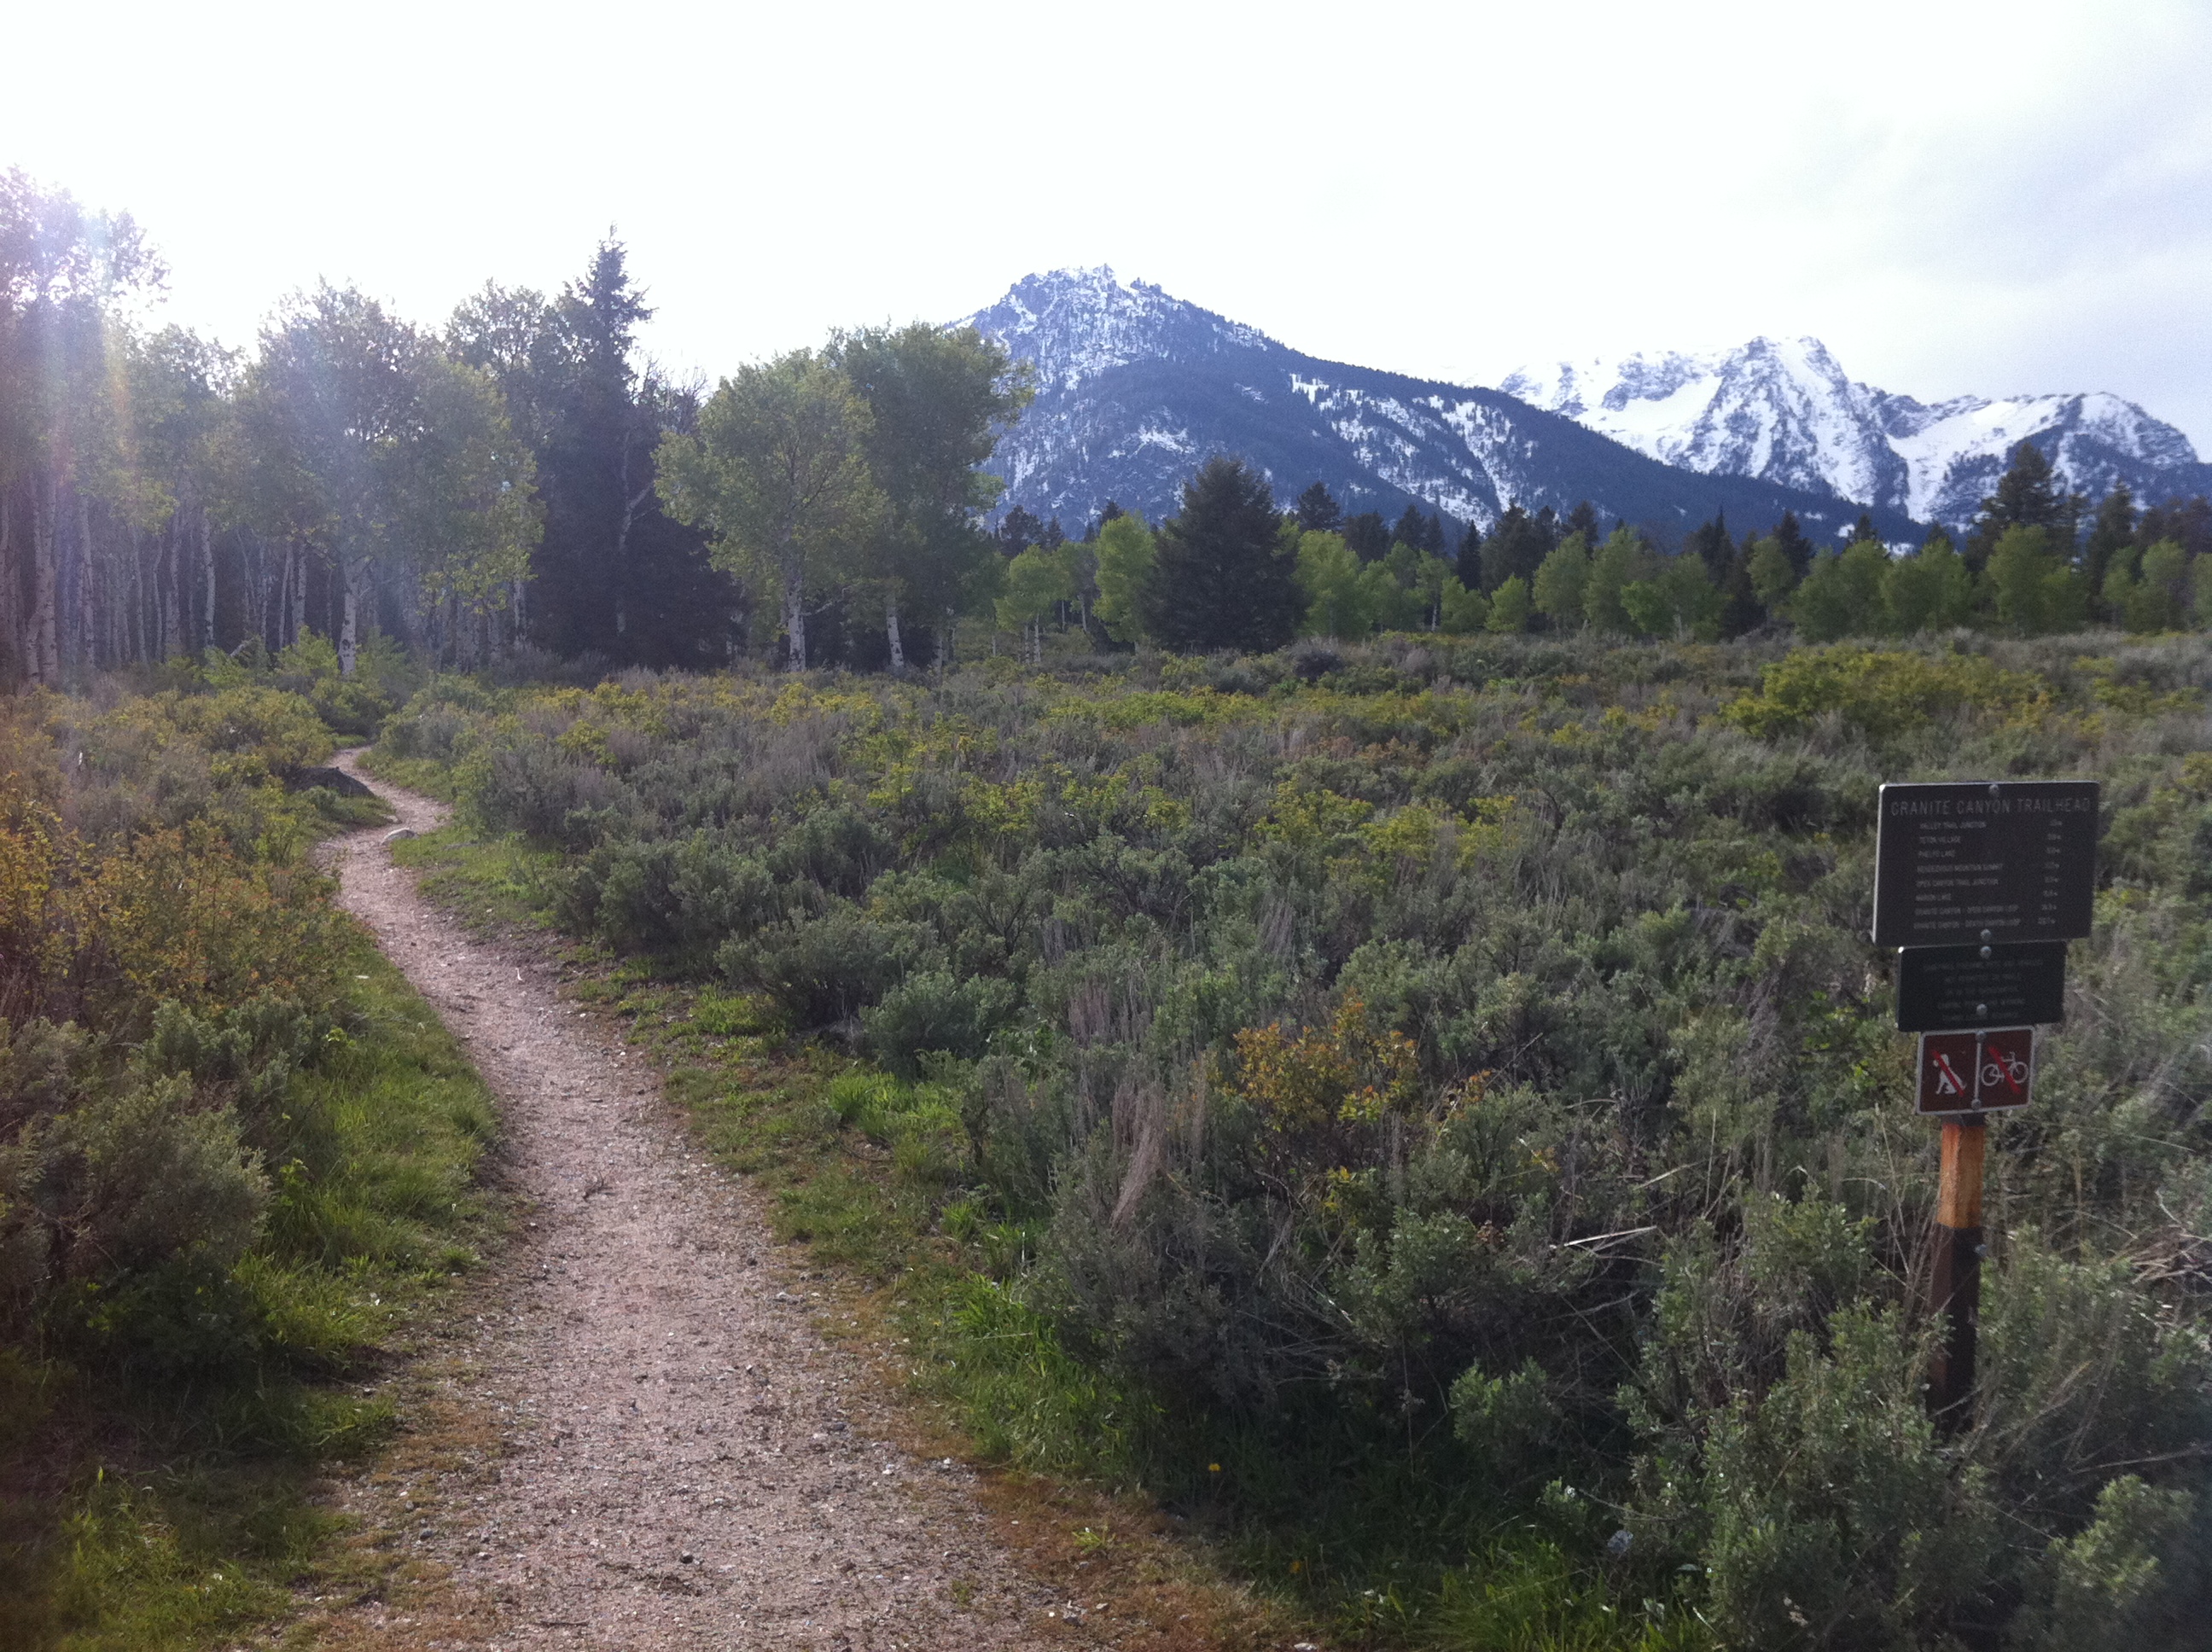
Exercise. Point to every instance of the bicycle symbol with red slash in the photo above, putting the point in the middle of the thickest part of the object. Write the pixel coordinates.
(1976, 1071)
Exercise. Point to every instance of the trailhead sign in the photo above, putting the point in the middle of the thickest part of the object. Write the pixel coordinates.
(1980, 863)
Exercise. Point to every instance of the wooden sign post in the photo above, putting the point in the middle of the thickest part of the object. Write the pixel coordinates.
(1981, 884)
(1956, 1291)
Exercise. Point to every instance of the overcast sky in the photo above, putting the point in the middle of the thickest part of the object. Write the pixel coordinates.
(1986, 198)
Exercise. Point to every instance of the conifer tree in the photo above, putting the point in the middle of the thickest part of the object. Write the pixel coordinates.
(1796, 550)
(1017, 532)
(1518, 546)
(2025, 498)
(1711, 541)
(1224, 573)
(2112, 531)
(1470, 557)
(1368, 537)
(1318, 511)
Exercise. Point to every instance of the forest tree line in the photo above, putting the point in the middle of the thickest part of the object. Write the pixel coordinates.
(523, 479)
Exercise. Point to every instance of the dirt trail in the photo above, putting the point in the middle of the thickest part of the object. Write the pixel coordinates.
(687, 1463)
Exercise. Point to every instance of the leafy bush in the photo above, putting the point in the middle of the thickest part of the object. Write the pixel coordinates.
(1445, 1081)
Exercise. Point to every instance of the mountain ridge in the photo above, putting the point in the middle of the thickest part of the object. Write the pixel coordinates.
(1137, 387)
(1785, 410)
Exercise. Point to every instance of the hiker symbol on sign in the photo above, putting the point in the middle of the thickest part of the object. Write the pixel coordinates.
(1976, 1071)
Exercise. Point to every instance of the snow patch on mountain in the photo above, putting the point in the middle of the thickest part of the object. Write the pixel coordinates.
(1137, 388)
(1077, 323)
(1785, 412)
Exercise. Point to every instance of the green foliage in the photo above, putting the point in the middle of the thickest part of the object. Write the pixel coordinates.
(1928, 591)
(1562, 581)
(1879, 694)
(2037, 589)
(1125, 562)
(235, 1151)
(1222, 576)
(1842, 593)
(1508, 607)
(777, 477)
(1394, 1094)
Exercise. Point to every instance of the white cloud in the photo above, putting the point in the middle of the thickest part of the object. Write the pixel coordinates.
(1977, 197)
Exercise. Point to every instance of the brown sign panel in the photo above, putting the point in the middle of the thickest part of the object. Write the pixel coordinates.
(1976, 1071)
(1984, 861)
(1945, 988)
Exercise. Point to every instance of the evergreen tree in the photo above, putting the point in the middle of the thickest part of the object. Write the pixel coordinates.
(1583, 519)
(1224, 573)
(1862, 531)
(2025, 498)
(1318, 511)
(2112, 531)
(1796, 550)
(1711, 542)
(2187, 522)
(1368, 536)
(1470, 557)
(1518, 546)
(614, 574)
(1424, 531)
(1017, 532)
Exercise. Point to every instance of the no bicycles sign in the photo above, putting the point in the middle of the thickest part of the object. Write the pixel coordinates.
(1976, 1071)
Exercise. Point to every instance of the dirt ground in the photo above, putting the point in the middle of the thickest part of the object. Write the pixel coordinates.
(667, 1451)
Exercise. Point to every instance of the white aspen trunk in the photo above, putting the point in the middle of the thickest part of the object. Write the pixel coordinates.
(794, 621)
(46, 589)
(83, 629)
(891, 631)
(207, 564)
(350, 575)
(9, 588)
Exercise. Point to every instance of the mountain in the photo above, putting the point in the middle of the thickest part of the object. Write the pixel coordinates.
(1784, 411)
(1137, 388)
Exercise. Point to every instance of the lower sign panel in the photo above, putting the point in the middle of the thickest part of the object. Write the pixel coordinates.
(1976, 1071)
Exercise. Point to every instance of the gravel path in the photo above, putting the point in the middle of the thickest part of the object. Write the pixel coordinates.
(687, 1463)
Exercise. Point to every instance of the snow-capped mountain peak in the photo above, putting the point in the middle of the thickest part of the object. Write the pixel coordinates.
(1077, 323)
(1785, 412)
(1137, 388)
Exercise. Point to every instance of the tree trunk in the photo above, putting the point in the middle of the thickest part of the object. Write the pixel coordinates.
(350, 574)
(794, 621)
(946, 638)
(891, 631)
(45, 588)
(298, 627)
(207, 562)
(84, 628)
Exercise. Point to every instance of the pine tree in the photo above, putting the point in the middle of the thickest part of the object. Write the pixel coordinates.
(1518, 546)
(1583, 519)
(1367, 535)
(1470, 557)
(2025, 498)
(1793, 544)
(1224, 573)
(1017, 532)
(2113, 531)
(1863, 530)
(1318, 511)
(1713, 546)
(2187, 522)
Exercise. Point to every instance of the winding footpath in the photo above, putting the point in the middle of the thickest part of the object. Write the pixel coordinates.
(678, 1458)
